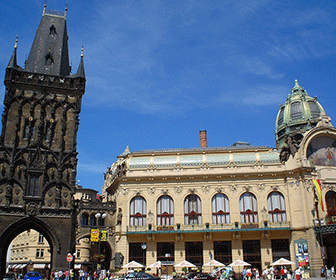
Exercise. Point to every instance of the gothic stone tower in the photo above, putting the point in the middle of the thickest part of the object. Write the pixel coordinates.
(38, 157)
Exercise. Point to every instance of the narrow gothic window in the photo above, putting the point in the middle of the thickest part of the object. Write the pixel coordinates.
(48, 131)
(33, 187)
(52, 30)
(26, 129)
(49, 59)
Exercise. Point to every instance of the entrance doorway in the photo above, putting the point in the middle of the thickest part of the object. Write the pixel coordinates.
(223, 251)
(165, 254)
(280, 249)
(252, 253)
(137, 252)
(194, 253)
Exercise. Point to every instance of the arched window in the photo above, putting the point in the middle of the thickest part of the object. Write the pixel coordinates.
(85, 219)
(220, 209)
(296, 110)
(248, 208)
(93, 221)
(165, 211)
(331, 206)
(192, 210)
(138, 210)
(276, 207)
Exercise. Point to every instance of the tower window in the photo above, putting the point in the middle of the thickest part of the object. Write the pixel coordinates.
(49, 59)
(52, 30)
(281, 116)
(296, 110)
(48, 131)
(314, 109)
(33, 187)
(28, 129)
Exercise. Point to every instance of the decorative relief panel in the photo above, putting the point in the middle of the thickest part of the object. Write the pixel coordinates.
(205, 189)
(178, 189)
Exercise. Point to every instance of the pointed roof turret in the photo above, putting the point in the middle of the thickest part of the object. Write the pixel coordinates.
(13, 61)
(80, 70)
(49, 52)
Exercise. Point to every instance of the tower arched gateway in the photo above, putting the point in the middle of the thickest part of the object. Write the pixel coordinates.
(38, 156)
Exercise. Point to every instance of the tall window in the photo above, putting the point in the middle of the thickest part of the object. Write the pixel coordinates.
(40, 238)
(93, 222)
(85, 219)
(314, 109)
(276, 207)
(33, 187)
(220, 209)
(138, 210)
(248, 208)
(192, 210)
(331, 203)
(165, 211)
(296, 110)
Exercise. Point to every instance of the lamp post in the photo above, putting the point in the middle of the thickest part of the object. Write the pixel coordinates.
(99, 217)
(143, 247)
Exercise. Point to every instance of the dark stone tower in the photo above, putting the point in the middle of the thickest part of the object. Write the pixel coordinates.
(38, 156)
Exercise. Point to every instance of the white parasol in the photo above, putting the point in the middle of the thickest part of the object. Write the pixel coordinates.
(239, 263)
(185, 264)
(282, 261)
(214, 263)
(133, 264)
(157, 264)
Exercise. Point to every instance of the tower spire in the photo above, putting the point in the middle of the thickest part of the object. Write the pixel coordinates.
(80, 70)
(13, 61)
(49, 52)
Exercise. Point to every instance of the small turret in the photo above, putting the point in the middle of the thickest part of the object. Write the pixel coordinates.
(80, 71)
(13, 61)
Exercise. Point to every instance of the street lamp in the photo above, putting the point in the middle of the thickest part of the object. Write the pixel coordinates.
(100, 217)
(143, 247)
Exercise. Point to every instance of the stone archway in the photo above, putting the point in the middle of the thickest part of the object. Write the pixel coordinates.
(51, 228)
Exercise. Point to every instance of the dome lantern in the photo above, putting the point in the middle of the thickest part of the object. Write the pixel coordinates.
(299, 114)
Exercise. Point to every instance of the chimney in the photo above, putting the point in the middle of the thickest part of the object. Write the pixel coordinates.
(203, 138)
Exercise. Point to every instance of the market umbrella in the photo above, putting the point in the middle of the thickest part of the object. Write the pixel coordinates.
(281, 261)
(185, 264)
(133, 264)
(157, 264)
(239, 263)
(214, 263)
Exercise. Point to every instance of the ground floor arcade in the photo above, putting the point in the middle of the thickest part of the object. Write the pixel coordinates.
(257, 247)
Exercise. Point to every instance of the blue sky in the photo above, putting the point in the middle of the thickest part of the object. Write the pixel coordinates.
(159, 71)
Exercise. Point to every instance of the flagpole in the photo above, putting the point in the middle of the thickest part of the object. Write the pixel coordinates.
(316, 201)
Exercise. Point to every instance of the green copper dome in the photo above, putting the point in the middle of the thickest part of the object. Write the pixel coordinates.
(299, 114)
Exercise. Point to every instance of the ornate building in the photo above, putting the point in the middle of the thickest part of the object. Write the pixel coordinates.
(240, 202)
(38, 156)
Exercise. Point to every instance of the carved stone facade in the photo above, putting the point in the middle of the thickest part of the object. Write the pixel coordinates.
(38, 156)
